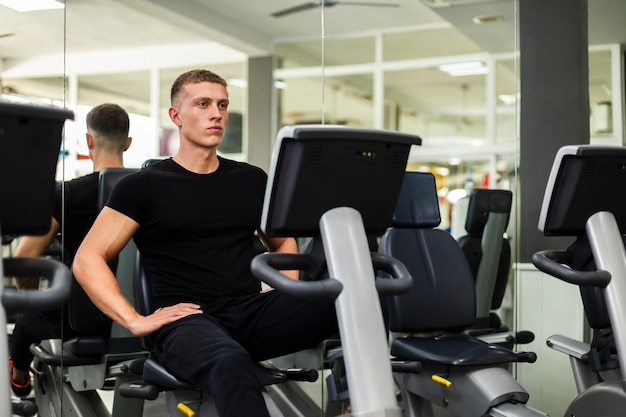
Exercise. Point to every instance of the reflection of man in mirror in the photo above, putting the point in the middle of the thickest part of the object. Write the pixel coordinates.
(76, 203)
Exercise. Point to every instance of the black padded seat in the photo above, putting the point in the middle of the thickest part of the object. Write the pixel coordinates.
(86, 346)
(451, 349)
(84, 317)
(95, 345)
(155, 373)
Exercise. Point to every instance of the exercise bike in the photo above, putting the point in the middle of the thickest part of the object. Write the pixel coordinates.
(462, 375)
(582, 201)
(56, 293)
(340, 185)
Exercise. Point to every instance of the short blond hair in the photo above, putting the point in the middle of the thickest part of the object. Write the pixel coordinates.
(193, 77)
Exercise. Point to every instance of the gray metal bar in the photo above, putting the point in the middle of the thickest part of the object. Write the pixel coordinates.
(608, 251)
(5, 388)
(363, 335)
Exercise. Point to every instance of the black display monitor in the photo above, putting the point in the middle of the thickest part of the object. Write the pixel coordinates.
(30, 141)
(584, 180)
(319, 167)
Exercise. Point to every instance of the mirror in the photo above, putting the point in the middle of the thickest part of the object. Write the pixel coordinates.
(26, 34)
(382, 69)
(447, 83)
(371, 77)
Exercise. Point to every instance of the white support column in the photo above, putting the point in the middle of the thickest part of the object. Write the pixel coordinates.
(155, 114)
(69, 163)
(379, 85)
(617, 97)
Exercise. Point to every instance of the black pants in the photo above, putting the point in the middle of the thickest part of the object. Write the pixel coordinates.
(33, 328)
(217, 352)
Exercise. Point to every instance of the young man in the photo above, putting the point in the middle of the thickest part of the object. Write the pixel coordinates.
(75, 209)
(193, 218)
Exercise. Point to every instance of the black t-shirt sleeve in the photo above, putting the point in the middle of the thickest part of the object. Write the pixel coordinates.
(130, 195)
(57, 210)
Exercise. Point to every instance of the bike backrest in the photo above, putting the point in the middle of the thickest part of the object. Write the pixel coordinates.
(489, 256)
(442, 296)
(84, 316)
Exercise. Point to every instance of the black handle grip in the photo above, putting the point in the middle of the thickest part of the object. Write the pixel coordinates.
(529, 357)
(61, 359)
(306, 375)
(412, 367)
(266, 265)
(54, 296)
(554, 263)
(139, 389)
(401, 282)
(523, 337)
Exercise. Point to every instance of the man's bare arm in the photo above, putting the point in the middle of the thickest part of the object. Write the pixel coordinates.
(282, 245)
(109, 234)
(34, 246)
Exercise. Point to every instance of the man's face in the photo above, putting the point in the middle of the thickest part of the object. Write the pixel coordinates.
(201, 113)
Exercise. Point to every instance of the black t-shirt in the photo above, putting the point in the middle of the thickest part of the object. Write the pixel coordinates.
(80, 204)
(196, 235)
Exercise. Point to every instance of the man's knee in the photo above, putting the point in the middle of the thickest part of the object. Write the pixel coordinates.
(232, 361)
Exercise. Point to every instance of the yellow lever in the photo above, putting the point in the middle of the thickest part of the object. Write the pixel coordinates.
(441, 381)
(186, 410)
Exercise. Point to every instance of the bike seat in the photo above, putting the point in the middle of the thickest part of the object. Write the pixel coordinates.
(455, 349)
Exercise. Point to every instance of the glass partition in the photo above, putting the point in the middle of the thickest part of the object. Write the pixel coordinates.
(506, 101)
(337, 51)
(32, 81)
(435, 81)
(402, 78)
(32, 72)
(381, 79)
(443, 108)
(606, 95)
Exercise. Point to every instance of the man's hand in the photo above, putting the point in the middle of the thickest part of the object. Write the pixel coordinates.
(145, 325)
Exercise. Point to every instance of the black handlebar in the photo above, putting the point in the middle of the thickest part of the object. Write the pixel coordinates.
(54, 296)
(401, 282)
(555, 263)
(266, 267)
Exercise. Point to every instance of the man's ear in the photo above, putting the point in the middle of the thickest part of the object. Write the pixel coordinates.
(128, 142)
(89, 139)
(173, 112)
